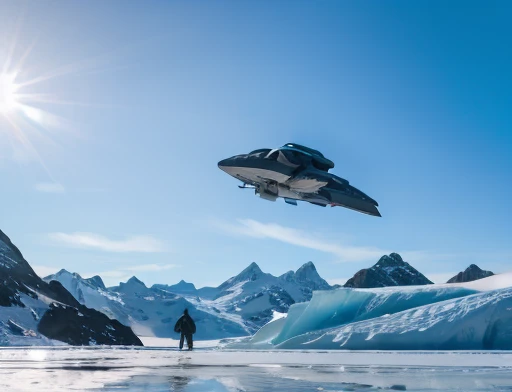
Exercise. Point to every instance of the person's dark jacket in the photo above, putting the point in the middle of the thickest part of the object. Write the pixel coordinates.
(185, 325)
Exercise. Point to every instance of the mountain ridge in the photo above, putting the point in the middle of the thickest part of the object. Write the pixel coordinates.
(473, 272)
(390, 270)
(238, 306)
(245, 301)
(33, 308)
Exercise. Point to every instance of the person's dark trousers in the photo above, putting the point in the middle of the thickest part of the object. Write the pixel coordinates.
(188, 336)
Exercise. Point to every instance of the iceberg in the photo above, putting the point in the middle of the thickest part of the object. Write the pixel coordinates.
(469, 316)
(476, 322)
(342, 306)
(269, 332)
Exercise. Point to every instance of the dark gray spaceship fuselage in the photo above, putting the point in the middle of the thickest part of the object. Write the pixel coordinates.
(296, 172)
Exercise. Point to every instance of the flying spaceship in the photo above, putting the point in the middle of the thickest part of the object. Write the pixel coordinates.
(296, 172)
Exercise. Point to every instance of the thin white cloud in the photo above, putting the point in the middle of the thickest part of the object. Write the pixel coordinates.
(50, 187)
(344, 253)
(146, 244)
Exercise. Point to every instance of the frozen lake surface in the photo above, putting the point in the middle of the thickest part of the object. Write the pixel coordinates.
(218, 370)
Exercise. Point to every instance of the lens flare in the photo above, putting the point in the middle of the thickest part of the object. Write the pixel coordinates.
(25, 126)
(28, 114)
(8, 89)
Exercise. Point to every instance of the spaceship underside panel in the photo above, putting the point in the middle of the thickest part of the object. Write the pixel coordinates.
(305, 184)
(256, 175)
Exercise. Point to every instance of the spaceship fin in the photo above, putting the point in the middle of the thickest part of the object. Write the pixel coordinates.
(290, 201)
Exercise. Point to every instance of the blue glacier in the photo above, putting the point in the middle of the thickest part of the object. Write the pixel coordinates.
(334, 308)
(476, 315)
(477, 322)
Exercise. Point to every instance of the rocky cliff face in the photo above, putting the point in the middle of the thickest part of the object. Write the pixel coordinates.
(388, 271)
(55, 313)
(81, 326)
(473, 272)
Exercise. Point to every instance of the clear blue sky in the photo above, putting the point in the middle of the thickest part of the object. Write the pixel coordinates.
(133, 104)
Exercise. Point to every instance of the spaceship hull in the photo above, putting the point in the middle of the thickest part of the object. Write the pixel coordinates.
(287, 174)
(354, 204)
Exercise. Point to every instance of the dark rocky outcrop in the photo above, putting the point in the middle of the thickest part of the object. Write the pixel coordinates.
(81, 326)
(71, 320)
(388, 271)
(473, 272)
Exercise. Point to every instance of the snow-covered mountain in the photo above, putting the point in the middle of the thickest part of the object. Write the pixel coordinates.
(181, 287)
(463, 316)
(473, 272)
(388, 271)
(91, 293)
(148, 311)
(238, 307)
(35, 312)
(307, 278)
(255, 296)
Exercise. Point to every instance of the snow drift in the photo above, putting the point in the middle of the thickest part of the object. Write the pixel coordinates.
(476, 315)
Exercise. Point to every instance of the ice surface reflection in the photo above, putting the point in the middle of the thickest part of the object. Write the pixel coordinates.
(37, 355)
(175, 384)
(127, 369)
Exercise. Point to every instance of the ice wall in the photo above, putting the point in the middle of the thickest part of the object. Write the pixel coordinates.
(470, 316)
(270, 331)
(475, 322)
(339, 307)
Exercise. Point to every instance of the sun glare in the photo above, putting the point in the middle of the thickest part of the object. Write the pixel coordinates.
(8, 88)
(28, 107)
(24, 125)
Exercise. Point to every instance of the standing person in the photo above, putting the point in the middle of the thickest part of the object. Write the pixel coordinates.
(186, 326)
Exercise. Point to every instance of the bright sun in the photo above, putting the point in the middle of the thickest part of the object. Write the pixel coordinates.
(26, 124)
(8, 88)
